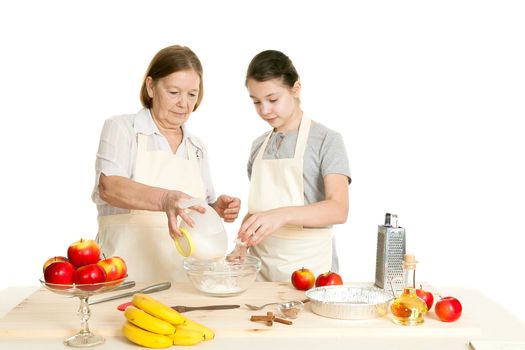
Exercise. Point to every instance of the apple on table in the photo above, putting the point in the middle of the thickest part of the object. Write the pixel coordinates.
(329, 278)
(426, 296)
(303, 279)
(448, 309)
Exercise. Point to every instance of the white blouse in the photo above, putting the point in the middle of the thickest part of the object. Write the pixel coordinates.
(117, 153)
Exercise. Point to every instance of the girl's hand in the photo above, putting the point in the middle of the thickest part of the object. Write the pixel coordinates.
(238, 253)
(227, 207)
(259, 225)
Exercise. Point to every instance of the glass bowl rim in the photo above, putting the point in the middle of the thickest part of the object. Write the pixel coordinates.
(250, 261)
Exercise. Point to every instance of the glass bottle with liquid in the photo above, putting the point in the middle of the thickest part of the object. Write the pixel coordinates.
(408, 309)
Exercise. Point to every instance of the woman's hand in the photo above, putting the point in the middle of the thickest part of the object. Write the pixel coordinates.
(256, 227)
(227, 207)
(171, 204)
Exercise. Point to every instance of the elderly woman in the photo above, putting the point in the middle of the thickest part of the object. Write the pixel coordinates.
(148, 164)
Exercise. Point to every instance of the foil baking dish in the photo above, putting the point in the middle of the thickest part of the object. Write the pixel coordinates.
(349, 303)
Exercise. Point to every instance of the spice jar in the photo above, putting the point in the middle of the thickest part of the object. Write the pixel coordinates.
(290, 309)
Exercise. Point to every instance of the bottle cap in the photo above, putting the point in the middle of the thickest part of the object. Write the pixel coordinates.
(409, 261)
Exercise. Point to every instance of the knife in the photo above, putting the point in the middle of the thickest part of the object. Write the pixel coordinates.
(184, 308)
(151, 289)
(125, 285)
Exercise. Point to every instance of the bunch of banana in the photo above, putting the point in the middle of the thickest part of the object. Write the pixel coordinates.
(152, 324)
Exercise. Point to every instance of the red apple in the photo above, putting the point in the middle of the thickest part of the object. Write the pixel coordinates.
(328, 279)
(59, 272)
(115, 268)
(83, 252)
(52, 260)
(448, 309)
(303, 279)
(89, 274)
(427, 297)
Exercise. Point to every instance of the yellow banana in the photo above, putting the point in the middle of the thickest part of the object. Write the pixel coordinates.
(157, 309)
(146, 321)
(144, 338)
(190, 324)
(186, 336)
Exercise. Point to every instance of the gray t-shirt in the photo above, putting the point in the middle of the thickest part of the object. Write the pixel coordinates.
(325, 154)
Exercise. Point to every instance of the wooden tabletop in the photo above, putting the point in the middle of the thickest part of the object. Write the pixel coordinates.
(44, 318)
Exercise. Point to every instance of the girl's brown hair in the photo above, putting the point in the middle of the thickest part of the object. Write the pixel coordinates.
(271, 64)
(170, 60)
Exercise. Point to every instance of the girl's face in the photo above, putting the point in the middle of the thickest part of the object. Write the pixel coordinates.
(173, 97)
(276, 103)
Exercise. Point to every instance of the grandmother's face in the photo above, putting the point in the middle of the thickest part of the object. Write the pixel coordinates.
(173, 97)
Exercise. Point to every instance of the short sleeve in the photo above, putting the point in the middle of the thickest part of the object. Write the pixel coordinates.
(205, 169)
(334, 159)
(114, 152)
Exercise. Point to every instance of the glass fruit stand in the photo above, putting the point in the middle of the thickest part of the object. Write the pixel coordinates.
(84, 337)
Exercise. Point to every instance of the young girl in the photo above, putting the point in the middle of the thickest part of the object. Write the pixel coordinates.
(299, 177)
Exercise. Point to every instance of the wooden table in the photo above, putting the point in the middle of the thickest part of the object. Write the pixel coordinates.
(44, 318)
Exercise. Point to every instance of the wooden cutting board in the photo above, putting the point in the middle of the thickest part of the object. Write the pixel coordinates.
(45, 314)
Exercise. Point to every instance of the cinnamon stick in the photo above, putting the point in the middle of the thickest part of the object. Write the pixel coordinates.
(260, 318)
(283, 321)
(271, 317)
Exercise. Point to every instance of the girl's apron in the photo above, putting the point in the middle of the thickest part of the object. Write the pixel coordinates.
(142, 237)
(279, 183)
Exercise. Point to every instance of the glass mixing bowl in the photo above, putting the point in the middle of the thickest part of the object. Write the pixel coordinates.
(221, 277)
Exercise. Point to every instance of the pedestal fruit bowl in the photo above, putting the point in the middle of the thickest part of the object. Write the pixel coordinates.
(84, 337)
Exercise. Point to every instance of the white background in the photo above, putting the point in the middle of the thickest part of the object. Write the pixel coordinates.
(429, 97)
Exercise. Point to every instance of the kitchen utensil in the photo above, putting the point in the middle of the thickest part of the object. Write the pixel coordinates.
(349, 303)
(150, 289)
(255, 308)
(207, 238)
(84, 337)
(184, 308)
(390, 251)
(291, 309)
(125, 285)
(222, 277)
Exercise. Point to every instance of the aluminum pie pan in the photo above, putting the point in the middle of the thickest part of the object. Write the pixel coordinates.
(349, 303)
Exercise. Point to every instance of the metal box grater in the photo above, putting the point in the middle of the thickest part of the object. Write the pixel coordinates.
(390, 252)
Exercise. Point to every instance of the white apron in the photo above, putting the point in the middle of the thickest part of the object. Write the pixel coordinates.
(142, 237)
(279, 183)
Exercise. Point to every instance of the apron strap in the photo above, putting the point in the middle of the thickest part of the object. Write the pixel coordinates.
(302, 137)
(263, 147)
(142, 142)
